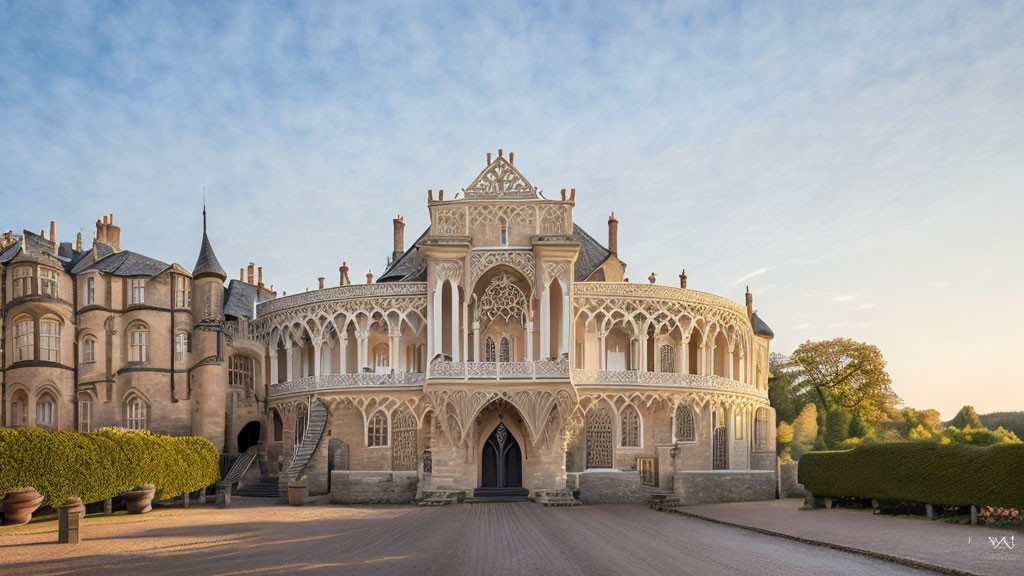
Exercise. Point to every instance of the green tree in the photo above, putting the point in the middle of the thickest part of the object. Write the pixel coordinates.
(845, 374)
(966, 418)
(783, 392)
(805, 431)
(837, 428)
(783, 436)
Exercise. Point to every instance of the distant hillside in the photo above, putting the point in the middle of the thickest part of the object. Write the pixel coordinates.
(1012, 421)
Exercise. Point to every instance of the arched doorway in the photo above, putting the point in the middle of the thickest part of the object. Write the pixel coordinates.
(249, 436)
(502, 460)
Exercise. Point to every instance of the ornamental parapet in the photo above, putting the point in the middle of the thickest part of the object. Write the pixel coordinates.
(347, 381)
(661, 379)
(539, 370)
(349, 292)
(655, 292)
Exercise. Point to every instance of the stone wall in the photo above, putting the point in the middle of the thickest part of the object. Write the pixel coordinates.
(788, 486)
(373, 487)
(714, 486)
(610, 487)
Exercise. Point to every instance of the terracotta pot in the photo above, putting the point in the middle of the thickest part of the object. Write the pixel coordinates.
(20, 504)
(139, 501)
(75, 506)
(297, 493)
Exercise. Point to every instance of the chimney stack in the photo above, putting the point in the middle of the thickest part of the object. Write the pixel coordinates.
(488, 158)
(251, 276)
(613, 235)
(78, 242)
(399, 224)
(53, 232)
(750, 304)
(259, 272)
(320, 282)
(511, 157)
(344, 274)
(369, 276)
(682, 279)
(241, 274)
(107, 233)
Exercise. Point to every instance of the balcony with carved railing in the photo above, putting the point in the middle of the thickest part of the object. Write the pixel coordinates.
(539, 370)
(661, 380)
(328, 382)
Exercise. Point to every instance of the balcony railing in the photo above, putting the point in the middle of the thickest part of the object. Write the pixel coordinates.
(539, 370)
(659, 379)
(346, 381)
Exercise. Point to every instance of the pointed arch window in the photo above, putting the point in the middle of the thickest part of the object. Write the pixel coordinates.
(489, 355)
(684, 428)
(667, 358)
(46, 411)
(629, 427)
(85, 401)
(19, 408)
(136, 413)
(377, 430)
(762, 431)
(138, 349)
(88, 350)
(504, 353)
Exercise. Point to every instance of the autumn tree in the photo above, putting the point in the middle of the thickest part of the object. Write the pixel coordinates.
(805, 431)
(966, 418)
(844, 374)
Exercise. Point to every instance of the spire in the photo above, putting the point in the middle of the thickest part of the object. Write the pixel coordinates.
(207, 264)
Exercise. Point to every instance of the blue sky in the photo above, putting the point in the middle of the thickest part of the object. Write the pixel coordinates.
(858, 164)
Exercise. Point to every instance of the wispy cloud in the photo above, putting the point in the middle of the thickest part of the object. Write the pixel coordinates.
(866, 306)
(754, 274)
(844, 298)
(938, 285)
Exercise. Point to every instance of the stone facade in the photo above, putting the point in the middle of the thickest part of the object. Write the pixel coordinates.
(714, 486)
(504, 349)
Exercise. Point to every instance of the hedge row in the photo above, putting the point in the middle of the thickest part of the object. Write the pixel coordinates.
(924, 472)
(100, 465)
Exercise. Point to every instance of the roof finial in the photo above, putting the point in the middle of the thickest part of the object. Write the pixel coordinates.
(204, 212)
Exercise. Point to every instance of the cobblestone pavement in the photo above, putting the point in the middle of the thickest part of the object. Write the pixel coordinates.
(491, 539)
(957, 547)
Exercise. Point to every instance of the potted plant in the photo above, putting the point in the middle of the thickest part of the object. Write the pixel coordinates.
(139, 500)
(19, 504)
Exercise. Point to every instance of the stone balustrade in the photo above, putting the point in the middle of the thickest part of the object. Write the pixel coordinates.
(540, 370)
(346, 381)
(661, 379)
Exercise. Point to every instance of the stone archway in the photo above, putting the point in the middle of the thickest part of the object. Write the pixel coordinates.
(501, 461)
(249, 436)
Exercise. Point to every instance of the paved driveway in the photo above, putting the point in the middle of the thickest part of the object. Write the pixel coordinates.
(491, 539)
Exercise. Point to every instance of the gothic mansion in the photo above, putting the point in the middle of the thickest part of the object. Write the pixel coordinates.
(501, 355)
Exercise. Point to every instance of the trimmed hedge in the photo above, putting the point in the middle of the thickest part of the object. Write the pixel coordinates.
(924, 472)
(103, 464)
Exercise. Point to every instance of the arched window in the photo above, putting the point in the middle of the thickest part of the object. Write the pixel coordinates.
(48, 282)
(489, 355)
(49, 340)
(182, 344)
(684, 428)
(136, 413)
(381, 362)
(377, 430)
(762, 432)
(503, 352)
(719, 438)
(667, 358)
(138, 350)
(629, 427)
(24, 339)
(241, 371)
(85, 401)
(88, 350)
(301, 421)
(599, 438)
(46, 411)
(504, 232)
(19, 408)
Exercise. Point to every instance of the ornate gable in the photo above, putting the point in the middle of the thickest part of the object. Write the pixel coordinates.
(500, 179)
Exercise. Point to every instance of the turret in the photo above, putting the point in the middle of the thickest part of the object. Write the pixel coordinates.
(209, 379)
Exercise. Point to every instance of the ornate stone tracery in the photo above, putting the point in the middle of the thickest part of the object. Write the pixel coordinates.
(500, 180)
(503, 299)
(483, 260)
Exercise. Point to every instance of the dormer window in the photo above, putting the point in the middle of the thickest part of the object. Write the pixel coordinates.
(182, 292)
(138, 288)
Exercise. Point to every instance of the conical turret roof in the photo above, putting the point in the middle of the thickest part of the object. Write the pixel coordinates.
(207, 264)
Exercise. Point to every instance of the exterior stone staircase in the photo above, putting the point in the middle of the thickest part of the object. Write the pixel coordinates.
(310, 440)
(664, 501)
(267, 488)
(240, 466)
(555, 498)
(442, 498)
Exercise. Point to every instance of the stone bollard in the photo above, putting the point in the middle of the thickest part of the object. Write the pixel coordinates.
(185, 499)
(297, 493)
(224, 494)
(828, 503)
(69, 517)
(929, 511)
(202, 495)
(974, 515)
(108, 507)
(874, 507)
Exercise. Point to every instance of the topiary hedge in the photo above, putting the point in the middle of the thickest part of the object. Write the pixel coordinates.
(925, 472)
(100, 465)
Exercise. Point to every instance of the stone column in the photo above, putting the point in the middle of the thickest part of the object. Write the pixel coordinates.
(316, 360)
(435, 344)
(273, 367)
(362, 340)
(567, 322)
(476, 342)
(529, 341)
(602, 351)
(545, 324)
(732, 362)
(680, 359)
(743, 367)
(455, 322)
(327, 365)
(343, 353)
(289, 357)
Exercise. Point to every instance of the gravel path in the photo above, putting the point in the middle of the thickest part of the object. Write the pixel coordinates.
(492, 539)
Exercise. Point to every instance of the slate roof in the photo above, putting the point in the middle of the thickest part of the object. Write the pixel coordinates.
(239, 298)
(592, 253)
(37, 245)
(760, 328)
(405, 264)
(126, 263)
(86, 260)
(207, 263)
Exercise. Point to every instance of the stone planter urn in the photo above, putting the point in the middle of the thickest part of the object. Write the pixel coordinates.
(19, 505)
(140, 499)
(75, 506)
(297, 492)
